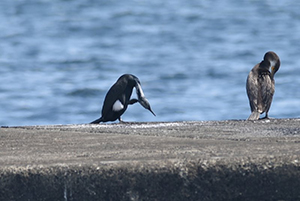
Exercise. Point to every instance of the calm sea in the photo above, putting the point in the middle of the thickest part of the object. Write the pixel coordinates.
(58, 58)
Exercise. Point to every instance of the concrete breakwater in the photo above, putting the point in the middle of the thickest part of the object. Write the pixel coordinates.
(210, 160)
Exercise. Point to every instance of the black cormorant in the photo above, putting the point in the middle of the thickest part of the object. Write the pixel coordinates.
(261, 85)
(117, 98)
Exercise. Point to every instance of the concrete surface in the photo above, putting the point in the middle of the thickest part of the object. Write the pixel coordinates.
(209, 160)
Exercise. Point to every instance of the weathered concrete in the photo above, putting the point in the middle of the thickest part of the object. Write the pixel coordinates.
(213, 160)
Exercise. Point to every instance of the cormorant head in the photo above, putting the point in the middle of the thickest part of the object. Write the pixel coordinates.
(274, 61)
(144, 102)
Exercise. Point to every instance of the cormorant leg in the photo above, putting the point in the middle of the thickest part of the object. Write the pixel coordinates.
(124, 122)
(121, 121)
(132, 101)
(266, 117)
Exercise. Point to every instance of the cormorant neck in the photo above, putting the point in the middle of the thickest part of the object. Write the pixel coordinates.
(265, 64)
(139, 91)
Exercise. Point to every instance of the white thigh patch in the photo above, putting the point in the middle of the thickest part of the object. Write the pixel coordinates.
(117, 106)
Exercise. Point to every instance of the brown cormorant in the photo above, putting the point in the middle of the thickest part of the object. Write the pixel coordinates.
(117, 98)
(261, 85)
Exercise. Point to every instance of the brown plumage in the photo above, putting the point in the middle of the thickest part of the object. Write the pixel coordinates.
(261, 85)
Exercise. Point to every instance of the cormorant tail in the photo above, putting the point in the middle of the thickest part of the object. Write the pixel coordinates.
(97, 121)
(254, 116)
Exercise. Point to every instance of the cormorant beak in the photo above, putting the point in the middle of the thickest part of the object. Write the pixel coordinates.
(274, 69)
(152, 111)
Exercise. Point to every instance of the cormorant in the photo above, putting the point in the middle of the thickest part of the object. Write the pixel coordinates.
(117, 99)
(261, 85)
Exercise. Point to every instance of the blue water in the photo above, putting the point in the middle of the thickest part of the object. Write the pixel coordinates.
(58, 58)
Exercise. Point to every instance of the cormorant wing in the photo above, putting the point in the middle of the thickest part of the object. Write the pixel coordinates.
(252, 87)
(267, 86)
(113, 94)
